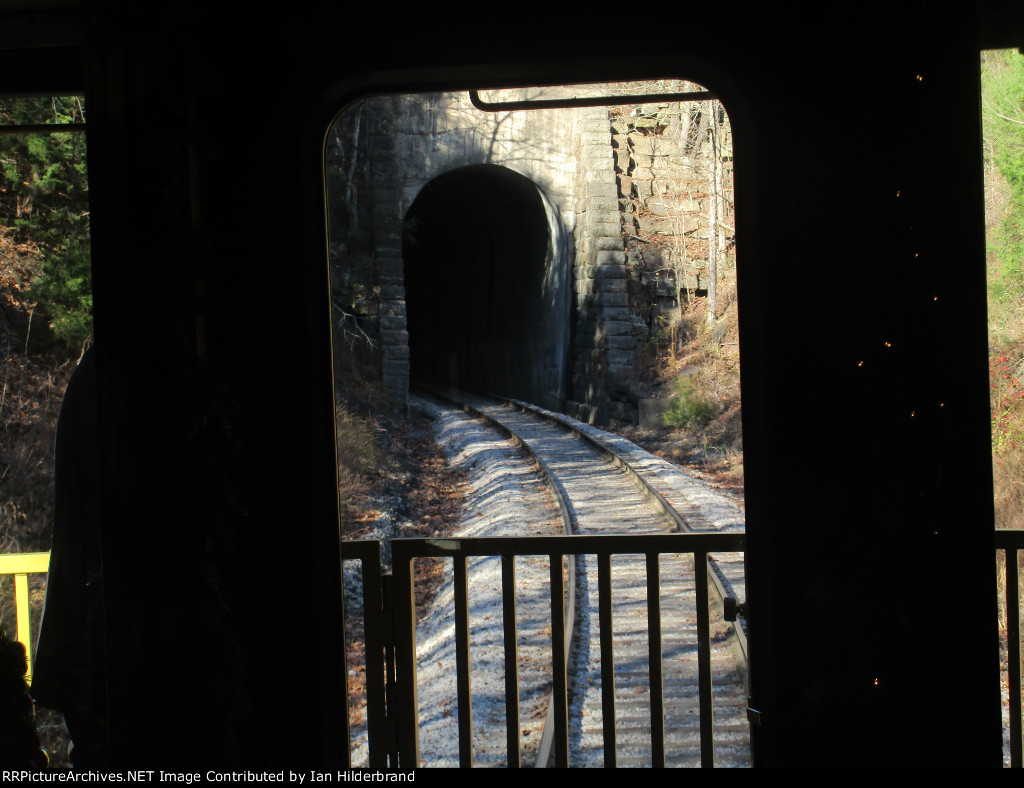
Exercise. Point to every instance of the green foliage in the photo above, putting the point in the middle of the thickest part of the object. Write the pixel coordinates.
(1003, 102)
(44, 198)
(689, 407)
(64, 288)
(1003, 115)
(44, 188)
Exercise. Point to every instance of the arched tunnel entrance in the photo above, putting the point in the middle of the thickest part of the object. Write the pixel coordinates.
(488, 278)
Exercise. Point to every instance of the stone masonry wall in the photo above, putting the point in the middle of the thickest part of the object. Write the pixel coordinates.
(628, 183)
(603, 346)
(428, 135)
(662, 156)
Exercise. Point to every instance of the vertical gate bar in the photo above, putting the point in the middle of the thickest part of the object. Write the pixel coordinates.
(407, 713)
(604, 587)
(391, 690)
(654, 661)
(558, 667)
(707, 722)
(375, 638)
(508, 615)
(346, 729)
(1013, 653)
(22, 619)
(462, 663)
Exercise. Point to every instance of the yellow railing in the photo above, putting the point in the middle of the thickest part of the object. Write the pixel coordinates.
(21, 565)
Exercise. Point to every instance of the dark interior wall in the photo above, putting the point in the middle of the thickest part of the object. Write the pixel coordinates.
(870, 559)
(223, 605)
(488, 286)
(888, 379)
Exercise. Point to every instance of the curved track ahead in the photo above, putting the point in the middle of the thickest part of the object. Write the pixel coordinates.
(610, 486)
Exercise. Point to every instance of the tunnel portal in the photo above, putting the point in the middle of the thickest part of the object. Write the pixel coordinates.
(488, 281)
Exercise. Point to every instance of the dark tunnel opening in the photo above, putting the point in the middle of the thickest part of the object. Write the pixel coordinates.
(488, 281)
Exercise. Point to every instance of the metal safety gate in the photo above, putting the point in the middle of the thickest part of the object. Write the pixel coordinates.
(389, 611)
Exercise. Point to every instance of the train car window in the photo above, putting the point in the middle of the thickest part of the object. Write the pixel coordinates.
(45, 328)
(571, 247)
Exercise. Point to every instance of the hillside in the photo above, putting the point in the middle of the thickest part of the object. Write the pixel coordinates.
(33, 383)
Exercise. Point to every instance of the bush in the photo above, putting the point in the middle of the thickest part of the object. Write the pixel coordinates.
(360, 456)
(63, 290)
(689, 407)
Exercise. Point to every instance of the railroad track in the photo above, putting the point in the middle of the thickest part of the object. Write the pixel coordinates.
(606, 485)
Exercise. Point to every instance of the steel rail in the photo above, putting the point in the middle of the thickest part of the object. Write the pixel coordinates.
(679, 522)
(552, 726)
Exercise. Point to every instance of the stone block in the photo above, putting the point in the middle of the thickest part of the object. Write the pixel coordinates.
(396, 352)
(395, 367)
(622, 411)
(394, 337)
(615, 299)
(642, 145)
(607, 257)
(643, 122)
(610, 285)
(392, 292)
(581, 411)
(674, 225)
(608, 205)
(593, 152)
(392, 323)
(618, 328)
(390, 266)
(680, 161)
(614, 312)
(607, 228)
(595, 137)
(621, 343)
(393, 308)
(602, 185)
(606, 216)
(610, 272)
(397, 389)
(597, 167)
(664, 206)
(652, 412)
